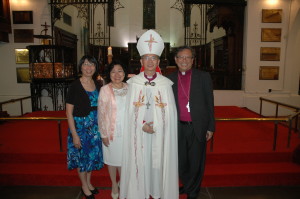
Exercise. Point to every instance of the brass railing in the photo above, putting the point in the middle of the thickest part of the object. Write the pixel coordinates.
(274, 120)
(277, 103)
(58, 119)
(13, 101)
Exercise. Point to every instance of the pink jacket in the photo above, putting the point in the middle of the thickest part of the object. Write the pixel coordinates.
(107, 111)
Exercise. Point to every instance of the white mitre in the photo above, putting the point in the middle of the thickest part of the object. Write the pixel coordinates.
(150, 43)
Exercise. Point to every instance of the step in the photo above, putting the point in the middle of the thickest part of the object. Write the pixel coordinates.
(42, 158)
(252, 174)
(212, 158)
(46, 175)
(216, 175)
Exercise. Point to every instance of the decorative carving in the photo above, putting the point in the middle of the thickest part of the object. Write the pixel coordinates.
(118, 5)
(195, 37)
(179, 5)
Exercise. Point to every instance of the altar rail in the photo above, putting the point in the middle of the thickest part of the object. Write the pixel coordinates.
(274, 120)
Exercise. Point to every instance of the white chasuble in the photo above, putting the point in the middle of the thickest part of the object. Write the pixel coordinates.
(150, 161)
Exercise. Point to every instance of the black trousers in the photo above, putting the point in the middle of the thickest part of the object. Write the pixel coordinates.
(191, 157)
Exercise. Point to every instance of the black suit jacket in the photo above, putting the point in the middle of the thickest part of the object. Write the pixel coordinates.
(201, 102)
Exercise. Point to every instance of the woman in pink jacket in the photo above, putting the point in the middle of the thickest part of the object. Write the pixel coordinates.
(111, 110)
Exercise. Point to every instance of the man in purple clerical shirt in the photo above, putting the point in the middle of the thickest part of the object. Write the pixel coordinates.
(195, 104)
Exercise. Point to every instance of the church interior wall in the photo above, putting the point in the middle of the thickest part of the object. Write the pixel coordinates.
(293, 48)
(176, 26)
(287, 86)
(128, 25)
(9, 88)
(254, 44)
(121, 27)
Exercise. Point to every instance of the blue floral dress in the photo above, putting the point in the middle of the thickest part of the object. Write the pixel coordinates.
(90, 156)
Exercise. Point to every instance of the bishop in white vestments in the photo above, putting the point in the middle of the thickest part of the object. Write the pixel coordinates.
(150, 154)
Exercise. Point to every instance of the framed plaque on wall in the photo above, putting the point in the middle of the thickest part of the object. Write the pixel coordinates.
(23, 75)
(269, 54)
(22, 56)
(23, 35)
(271, 16)
(22, 17)
(271, 34)
(269, 73)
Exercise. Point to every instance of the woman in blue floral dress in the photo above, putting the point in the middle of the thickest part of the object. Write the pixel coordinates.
(84, 141)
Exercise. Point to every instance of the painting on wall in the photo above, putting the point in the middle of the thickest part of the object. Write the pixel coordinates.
(269, 73)
(22, 56)
(269, 54)
(23, 75)
(23, 36)
(271, 34)
(271, 16)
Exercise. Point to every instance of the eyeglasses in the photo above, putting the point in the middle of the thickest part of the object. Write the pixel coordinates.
(152, 58)
(184, 57)
(88, 64)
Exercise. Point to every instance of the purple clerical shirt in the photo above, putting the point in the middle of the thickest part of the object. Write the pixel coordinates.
(150, 78)
(184, 87)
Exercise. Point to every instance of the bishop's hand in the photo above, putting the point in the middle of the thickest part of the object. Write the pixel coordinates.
(148, 128)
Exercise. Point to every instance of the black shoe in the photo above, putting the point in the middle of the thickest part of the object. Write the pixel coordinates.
(88, 196)
(95, 191)
(192, 195)
(181, 190)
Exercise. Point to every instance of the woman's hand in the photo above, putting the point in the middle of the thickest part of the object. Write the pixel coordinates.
(105, 141)
(148, 128)
(76, 141)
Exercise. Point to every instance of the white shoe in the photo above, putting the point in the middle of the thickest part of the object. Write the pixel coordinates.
(114, 195)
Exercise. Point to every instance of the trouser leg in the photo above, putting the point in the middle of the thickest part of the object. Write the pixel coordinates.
(191, 159)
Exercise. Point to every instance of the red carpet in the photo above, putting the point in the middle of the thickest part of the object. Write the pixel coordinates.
(242, 156)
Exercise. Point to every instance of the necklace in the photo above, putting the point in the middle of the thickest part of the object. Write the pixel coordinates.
(120, 92)
(188, 94)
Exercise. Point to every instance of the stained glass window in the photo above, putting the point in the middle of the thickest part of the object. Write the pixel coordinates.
(149, 14)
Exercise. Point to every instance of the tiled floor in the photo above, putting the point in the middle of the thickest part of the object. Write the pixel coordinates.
(36, 192)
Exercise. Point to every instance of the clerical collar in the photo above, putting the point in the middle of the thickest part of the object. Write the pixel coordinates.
(188, 72)
(150, 78)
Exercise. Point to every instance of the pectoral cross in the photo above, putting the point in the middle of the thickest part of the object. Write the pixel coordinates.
(148, 104)
(188, 106)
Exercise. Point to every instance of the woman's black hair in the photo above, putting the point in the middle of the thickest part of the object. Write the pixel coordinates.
(111, 66)
(90, 59)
